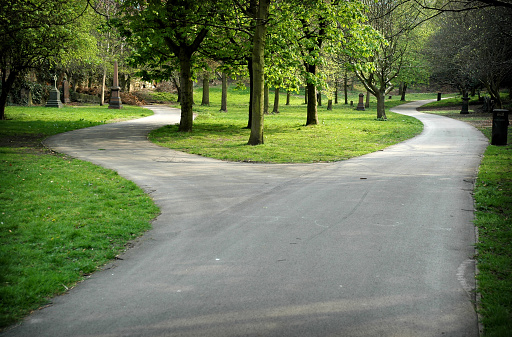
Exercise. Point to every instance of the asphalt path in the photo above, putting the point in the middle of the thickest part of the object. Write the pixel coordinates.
(379, 245)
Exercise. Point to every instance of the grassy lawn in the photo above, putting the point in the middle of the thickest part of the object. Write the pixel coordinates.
(493, 217)
(341, 134)
(60, 218)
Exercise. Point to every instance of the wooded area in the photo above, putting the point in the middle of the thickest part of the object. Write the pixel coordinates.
(463, 46)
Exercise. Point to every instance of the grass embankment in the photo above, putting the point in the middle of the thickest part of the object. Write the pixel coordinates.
(341, 134)
(60, 218)
(493, 218)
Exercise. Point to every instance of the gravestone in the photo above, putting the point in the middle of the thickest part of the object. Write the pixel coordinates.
(115, 99)
(360, 105)
(54, 100)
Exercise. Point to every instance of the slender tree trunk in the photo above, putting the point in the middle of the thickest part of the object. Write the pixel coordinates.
(265, 99)
(102, 100)
(319, 98)
(187, 93)
(404, 90)
(251, 91)
(7, 83)
(224, 99)
(329, 104)
(306, 94)
(276, 101)
(367, 104)
(258, 57)
(381, 109)
(206, 89)
(345, 87)
(288, 98)
(335, 93)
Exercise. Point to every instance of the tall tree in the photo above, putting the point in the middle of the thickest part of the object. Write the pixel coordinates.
(35, 33)
(258, 68)
(173, 29)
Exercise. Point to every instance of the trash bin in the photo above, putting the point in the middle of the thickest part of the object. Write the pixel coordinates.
(499, 127)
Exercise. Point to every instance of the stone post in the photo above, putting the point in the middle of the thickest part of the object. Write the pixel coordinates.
(54, 100)
(465, 106)
(115, 100)
(360, 105)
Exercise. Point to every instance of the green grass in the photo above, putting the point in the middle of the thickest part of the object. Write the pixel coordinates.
(341, 134)
(60, 218)
(493, 218)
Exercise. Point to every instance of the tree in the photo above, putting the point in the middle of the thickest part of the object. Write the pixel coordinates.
(35, 33)
(378, 68)
(163, 31)
(258, 68)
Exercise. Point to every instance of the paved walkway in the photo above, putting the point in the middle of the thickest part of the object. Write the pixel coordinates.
(379, 245)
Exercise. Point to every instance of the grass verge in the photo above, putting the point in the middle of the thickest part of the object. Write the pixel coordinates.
(493, 200)
(341, 133)
(61, 218)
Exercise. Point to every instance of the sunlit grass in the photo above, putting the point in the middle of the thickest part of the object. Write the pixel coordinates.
(341, 133)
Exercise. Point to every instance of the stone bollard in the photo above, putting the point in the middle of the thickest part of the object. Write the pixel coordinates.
(360, 105)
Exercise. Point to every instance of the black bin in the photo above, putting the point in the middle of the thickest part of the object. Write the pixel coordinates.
(499, 127)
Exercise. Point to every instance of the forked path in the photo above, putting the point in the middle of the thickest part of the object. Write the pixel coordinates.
(379, 245)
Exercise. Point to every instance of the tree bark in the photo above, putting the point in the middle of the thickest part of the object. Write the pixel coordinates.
(329, 104)
(345, 87)
(404, 90)
(102, 101)
(276, 101)
(335, 92)
(206, 89)
(312, 114)
(258, 66)
(224, 99)
(381, 109)
(306, 94)
(7, 83)
(288, 98)
(265, 99)
(367, 104)
(251, 91)
(187, 93)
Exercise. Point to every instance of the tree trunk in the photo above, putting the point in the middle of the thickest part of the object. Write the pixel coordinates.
(404, 90)
(251, 91)
(102, 100)
(319, 98)
(276, 101)
(381, 109)
(367, 104)
(206, 89)
(329, 104)
(306, 95)
(224, 99)
(345, 87)
(187, 93)
(258, 66)
(288, 98)
(335, 92)
(7, 84)
(312, 113)
(265, 99)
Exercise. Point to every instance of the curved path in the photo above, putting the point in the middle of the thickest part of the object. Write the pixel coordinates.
(379, 245)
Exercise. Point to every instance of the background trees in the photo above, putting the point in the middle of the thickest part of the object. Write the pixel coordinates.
(33, 33)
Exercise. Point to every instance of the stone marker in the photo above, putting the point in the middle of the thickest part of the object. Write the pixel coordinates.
(115, 100)
(499, 127)
(54, 100)
(465, 106)
(360, 105)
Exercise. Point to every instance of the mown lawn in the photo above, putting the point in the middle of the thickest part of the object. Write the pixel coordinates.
(61, 218)
(341, 133)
